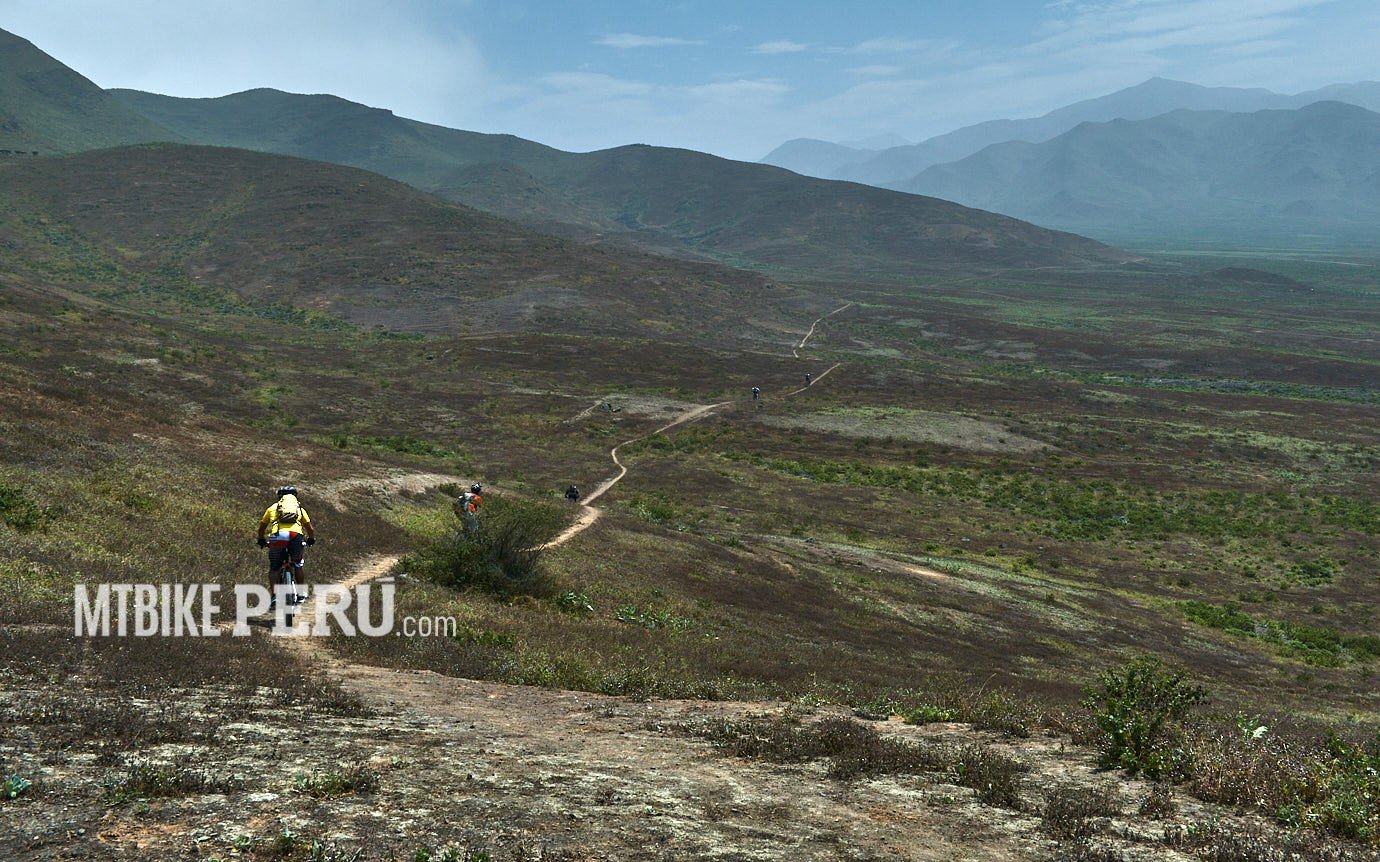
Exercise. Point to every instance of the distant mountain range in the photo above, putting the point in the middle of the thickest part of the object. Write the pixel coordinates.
(1310, 174)
(668, 200)
(1163, 160)
(894, 167)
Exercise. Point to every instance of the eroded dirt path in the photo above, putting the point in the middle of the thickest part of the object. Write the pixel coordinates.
(808, 335)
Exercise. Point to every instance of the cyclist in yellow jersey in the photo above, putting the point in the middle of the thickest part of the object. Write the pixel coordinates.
(285, 529)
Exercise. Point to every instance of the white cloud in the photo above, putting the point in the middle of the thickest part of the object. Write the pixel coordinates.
(1158, 24)
(633, 40)
(593, 85)
(739, 91)
(784, 46)
(1251, 49)
(875, 71)
(894, 45)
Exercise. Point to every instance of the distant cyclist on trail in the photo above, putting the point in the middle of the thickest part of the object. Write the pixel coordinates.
(756, 393)
(572, 494)
(468, 505)
(807, 378)
(281, 530)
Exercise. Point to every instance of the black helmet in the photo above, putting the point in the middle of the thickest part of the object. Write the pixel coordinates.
(476, 488)
(287, 489)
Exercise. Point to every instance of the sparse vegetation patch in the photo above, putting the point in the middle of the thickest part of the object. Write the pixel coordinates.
(1312, 644)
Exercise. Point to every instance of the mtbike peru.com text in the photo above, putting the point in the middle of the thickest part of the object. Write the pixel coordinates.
(190, 610)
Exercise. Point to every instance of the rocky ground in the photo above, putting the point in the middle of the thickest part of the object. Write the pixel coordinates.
(530, 773)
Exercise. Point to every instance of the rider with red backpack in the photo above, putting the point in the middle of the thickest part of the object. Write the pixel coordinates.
(468, 505)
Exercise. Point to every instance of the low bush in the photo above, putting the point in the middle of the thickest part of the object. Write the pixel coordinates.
(852, 749)
(992, 774)
(18, 510)
(354, 778)
(1069, 812)
(1139, 708)
(1159, 803)
(145, 780)
(855, 750)
(500, 558)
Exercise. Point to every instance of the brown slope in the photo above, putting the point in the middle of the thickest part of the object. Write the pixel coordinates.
(371, 250)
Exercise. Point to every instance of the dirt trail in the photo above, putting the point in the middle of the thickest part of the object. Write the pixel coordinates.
(814, 381)
(605, 776)
(801, 346)
(589, 514)
(614, 779)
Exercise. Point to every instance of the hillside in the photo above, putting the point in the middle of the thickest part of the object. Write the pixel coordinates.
(740, 213)
(893, 167)
(855, 615)
(272, 229)
(47, 108)
(1189, 175)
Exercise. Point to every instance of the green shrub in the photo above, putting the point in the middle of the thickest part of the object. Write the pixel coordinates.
(144, 780)
(575, 602)
(1138, 708)
(652, 619)
(18, 510)
(927, 714)
(1351, 807)
(1313, 644)
(1316, 571)
(354, 778)
(13, 786)
(501, 558)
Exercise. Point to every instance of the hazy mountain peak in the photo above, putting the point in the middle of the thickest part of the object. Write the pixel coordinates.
(878, 142)
(1186, 175)
(815, 158)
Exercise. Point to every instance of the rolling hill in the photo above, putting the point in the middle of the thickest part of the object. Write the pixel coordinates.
(665, 199)
(47, 108)
(1283, 174)
(218, 226)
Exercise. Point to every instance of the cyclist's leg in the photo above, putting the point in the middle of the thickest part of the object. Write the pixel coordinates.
(297, 552)
(276, 555)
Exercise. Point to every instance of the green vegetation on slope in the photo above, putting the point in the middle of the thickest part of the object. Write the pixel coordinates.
(690, 203)
(48, 108)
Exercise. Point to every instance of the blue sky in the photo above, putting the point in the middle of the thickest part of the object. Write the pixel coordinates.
(731, 78)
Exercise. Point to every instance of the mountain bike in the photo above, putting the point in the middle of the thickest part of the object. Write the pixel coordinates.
(285, 581)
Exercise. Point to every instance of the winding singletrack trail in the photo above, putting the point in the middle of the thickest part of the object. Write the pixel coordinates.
(376, 567)
(589, 514)
(795, 351)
